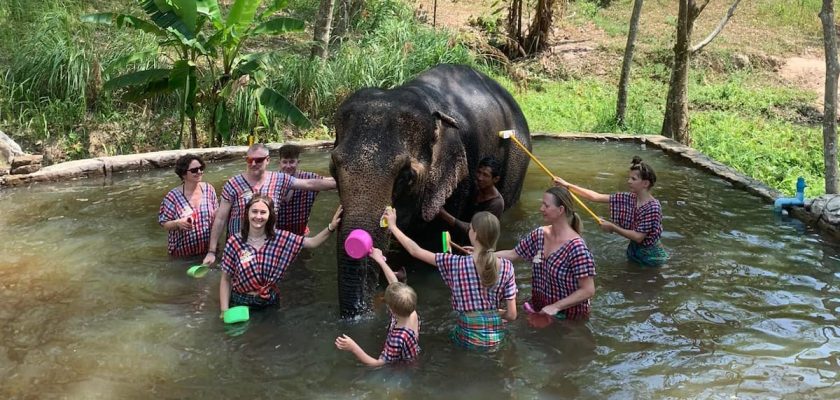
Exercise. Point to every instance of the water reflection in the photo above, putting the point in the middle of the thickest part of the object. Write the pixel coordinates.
(94, 308)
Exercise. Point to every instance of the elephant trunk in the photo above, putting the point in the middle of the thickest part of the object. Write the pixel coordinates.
(357, 279)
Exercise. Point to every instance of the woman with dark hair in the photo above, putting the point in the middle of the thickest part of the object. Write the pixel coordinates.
(187, 211)
(256, 258)
(563, 270)
(636, 214)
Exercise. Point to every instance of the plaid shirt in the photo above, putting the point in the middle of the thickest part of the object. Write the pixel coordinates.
(556, 276)
(238, 193)
(176, 206)
(646, 218)
(459, 273)
(258, 270)
(294, 208)
(401, 345)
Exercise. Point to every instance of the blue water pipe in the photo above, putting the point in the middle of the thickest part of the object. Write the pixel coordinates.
(798, 200)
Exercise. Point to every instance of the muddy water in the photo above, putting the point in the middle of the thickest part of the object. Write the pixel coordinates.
(94, 308)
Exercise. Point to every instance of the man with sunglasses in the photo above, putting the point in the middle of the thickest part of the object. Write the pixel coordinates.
(256, 179)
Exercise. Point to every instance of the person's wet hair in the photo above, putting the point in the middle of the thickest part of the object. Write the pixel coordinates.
(646, 172)
(182, 164)
(562, 197)
(493, 164)
(269, 224)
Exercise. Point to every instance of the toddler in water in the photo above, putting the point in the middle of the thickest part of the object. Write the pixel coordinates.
(403, 341)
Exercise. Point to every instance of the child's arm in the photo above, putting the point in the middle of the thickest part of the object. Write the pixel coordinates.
(587, 194)
(346, 343)
(315, 241)
(377, 256)
(411, 246)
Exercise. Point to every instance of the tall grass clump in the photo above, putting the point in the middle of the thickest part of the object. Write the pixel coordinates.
(53, 67)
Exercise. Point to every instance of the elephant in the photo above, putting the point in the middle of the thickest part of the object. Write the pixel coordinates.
(415, 147)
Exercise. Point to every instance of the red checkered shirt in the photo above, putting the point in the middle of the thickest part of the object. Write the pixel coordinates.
(176, 206)
(556, 276)
(294, 209)
(401, 345)
(646, 218)
(468, 295)
(238, 192)
(258, 270)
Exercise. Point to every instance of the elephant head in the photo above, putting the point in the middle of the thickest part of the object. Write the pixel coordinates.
(413, 147)
(392, 148)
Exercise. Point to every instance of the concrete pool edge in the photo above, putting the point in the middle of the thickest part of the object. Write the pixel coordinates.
(106, 166)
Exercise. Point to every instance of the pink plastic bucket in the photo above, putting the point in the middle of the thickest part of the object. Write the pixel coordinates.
(358, 243)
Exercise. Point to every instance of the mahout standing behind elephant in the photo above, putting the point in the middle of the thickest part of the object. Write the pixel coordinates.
(414, 147)
(487, 198)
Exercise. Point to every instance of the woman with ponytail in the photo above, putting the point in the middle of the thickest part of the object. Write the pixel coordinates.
(483, 285)
(563, 270)
(636, 214)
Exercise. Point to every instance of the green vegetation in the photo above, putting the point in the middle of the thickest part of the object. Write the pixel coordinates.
(797, 14)
(54, 67)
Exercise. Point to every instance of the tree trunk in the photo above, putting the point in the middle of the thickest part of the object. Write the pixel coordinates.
(193, 133)
(320, 47)
(621, 105)
(832, 69)
(540, 28)
(675, 124)
(513, 47)
(718, 29)
(347, 11)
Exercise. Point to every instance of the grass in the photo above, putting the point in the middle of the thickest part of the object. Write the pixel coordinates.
(736, 120)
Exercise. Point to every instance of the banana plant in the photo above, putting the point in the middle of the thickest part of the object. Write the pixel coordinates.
(208, 66)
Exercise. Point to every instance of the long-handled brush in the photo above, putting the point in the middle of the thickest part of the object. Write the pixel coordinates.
(511, 134)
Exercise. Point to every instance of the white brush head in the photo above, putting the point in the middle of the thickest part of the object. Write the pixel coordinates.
(507, 134)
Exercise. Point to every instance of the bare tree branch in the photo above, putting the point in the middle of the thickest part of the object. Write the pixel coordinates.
(718, 29)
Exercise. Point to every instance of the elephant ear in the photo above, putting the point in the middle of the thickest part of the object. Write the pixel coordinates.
(448, 166)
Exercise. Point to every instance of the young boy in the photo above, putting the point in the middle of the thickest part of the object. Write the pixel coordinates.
(294, 208)
(403, 341)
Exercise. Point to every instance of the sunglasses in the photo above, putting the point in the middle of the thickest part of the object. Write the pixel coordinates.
(196, 170)
(255, 160)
